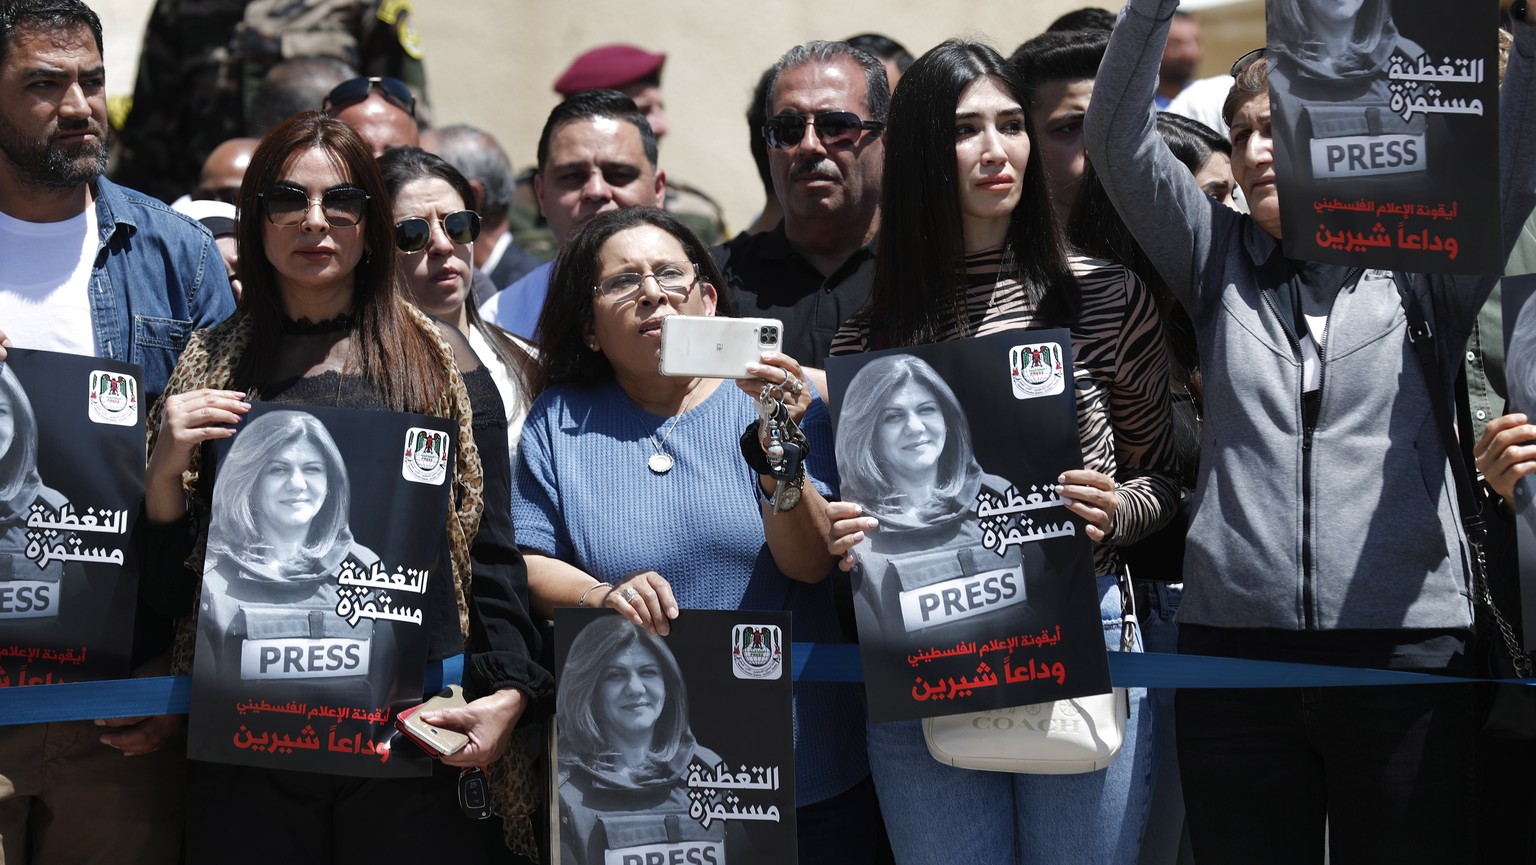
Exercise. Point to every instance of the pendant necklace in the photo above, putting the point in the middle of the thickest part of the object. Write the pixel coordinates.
(661, 462)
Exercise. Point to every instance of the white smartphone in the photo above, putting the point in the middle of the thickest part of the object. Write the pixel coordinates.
(716, 347)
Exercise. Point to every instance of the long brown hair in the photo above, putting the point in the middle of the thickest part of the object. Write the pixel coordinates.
(392, 350)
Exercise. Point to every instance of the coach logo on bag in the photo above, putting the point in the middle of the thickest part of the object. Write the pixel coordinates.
(1037, 370)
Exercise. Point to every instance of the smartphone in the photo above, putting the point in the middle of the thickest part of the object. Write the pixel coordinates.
(437, 741)
(716, 347)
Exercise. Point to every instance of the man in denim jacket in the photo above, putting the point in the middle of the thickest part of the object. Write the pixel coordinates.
(90, 268)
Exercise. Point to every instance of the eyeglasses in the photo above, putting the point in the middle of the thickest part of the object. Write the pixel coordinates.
(413, 233)
(832, 127)
(355, 90)
(288, 205)
(676, 278)
(1241, 64)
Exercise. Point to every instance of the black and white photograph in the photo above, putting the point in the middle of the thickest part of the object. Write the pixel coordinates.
(323, 544)
(1518, 296)
(1381, 111)
(71, 479)
(677, 748)
(977, 590)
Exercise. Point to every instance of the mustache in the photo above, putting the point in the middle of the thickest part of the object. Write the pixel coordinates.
(82, 124)
(815, 165)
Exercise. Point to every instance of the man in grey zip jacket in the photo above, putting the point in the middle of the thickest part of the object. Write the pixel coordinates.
(1325, 524)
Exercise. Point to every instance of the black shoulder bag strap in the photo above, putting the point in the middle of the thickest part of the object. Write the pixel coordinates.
(1421, 336)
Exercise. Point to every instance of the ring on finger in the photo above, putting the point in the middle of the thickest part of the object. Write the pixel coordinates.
(629, 594)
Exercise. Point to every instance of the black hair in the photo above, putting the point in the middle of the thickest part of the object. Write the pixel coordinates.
(883, 47)
(402, 166)
(55, 15)
(877, 87)
(563, 356)
(757, 118)
(919, 292)
(1191, 141)
(590, 105)
(1058, 55)
(1086, 18)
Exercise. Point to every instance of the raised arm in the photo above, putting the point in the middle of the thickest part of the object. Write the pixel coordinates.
(1171, 218)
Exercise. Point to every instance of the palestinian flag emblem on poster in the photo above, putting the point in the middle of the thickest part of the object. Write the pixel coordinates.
(114, 398)
(426, 456)
(757, 651)
(1037, 370)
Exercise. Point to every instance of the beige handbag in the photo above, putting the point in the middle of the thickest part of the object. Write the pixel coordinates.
(1064, 737)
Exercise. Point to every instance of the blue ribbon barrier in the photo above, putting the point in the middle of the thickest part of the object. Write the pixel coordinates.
(812, 662)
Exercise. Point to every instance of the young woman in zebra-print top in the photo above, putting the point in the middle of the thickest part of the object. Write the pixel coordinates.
(969, 246)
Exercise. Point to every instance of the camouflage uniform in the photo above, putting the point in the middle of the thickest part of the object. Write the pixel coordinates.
(202, 60)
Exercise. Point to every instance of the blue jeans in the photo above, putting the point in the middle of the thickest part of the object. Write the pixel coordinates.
(937, 814)
(1166, 841)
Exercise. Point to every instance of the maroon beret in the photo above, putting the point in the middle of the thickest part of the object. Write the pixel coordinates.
(608, 66)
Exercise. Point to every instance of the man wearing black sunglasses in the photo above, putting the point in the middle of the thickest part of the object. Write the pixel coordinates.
(381, 110)
(826, 107)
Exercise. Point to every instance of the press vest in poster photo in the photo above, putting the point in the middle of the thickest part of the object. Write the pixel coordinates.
(977, 591)
(325, 552)
(71, 480)
(676, 749)
(1386, 149)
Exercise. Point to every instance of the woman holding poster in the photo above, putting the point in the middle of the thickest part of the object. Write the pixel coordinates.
(323, 321)
(625, 749)
(1324, 524)
(969, 246)
(605, 521)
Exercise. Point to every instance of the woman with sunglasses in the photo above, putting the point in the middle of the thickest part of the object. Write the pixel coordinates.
(1324, 524)
(324, 321)
(969, 246)
(435, 233)
(633, 492)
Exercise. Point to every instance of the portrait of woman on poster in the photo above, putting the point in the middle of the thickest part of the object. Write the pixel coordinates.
(1332, 58)
(625, 745)
(21, 487)
(907, 460)
(281, 511)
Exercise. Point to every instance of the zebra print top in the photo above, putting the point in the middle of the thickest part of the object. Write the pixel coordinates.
(1120, 372)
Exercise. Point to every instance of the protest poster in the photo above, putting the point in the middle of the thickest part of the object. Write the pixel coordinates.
(325, 552)
(72, 475)
(977, 591)
(1385, 128)
(676, 748)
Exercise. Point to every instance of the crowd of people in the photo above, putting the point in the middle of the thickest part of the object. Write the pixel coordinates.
(330, 247)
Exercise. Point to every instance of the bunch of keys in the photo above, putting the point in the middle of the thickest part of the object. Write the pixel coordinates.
(786, 449)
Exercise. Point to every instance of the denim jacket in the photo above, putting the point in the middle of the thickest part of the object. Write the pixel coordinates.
(157, 278)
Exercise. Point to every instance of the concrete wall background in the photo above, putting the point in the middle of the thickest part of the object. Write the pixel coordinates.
(491, 62)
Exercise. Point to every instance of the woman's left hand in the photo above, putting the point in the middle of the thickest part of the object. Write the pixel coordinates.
(488, 722)
(782, 370)
(1091, 495)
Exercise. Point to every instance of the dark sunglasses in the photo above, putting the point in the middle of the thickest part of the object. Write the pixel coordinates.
(413, 233)
(287, 205)
(832, 127)
(1241, 64)
(355, 90)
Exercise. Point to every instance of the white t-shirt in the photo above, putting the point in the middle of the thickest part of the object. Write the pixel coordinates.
(45, 275)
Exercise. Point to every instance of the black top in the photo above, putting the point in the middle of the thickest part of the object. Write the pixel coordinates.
(766, 278)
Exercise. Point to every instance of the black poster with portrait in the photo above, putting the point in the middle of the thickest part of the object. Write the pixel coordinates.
(675, 749)
(325, 555)
(1518, 295)
(977, 591)
(72, 475)
(1385, 125)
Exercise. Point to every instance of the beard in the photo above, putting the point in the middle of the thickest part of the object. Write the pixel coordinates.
(56, 166)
